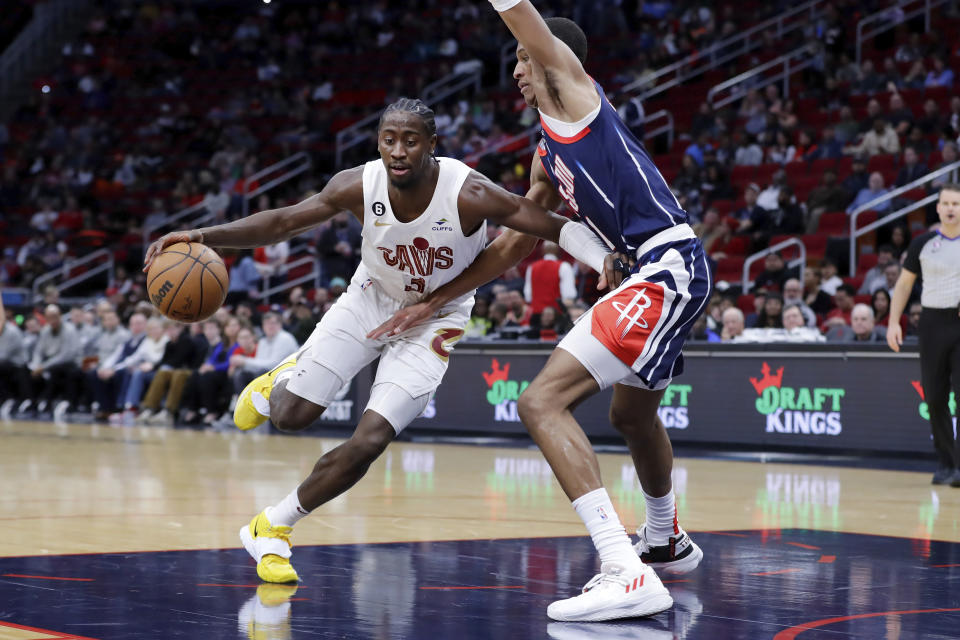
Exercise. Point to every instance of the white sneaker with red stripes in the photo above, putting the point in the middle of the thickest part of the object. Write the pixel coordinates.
(615, 592)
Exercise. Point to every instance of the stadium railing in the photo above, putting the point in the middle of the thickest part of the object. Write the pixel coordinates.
(889, 17)
(952, 169)
(300, 163)
(726, 50)
(68, 267)
(783, 67)
(357, 133)
(292, 167)
(309, 259)
(800, 260)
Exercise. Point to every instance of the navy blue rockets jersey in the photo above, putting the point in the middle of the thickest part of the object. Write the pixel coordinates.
(607, 178)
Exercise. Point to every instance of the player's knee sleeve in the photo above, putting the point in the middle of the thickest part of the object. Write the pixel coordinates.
(397, 406)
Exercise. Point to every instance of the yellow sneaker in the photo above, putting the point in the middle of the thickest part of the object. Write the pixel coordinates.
(270, 546)
(245, 414)
(266, 615)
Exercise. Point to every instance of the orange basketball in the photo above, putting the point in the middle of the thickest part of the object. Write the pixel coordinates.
(187, 282)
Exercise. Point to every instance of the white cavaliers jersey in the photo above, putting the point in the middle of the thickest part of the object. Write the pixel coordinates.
(408, 260)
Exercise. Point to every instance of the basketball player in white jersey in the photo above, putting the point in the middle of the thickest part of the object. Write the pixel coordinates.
(423, 224)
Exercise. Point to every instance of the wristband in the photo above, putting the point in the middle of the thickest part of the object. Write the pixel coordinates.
(584, 245)
(504, 5)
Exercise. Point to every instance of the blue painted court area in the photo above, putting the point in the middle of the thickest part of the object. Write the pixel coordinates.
(780, 585)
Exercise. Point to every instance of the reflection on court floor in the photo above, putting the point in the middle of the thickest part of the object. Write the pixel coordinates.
(778, 584)
(449, 542)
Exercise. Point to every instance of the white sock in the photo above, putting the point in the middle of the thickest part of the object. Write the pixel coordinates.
(261, 404)
(661, 518)
(609, 537)
(287, 512)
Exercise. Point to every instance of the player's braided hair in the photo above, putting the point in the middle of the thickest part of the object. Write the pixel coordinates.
(416, 107)
(570, 33)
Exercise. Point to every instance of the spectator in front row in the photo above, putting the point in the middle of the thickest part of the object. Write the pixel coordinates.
(204, 392)
(844, 300)
(181, 356)
(275, 345)
(733, 324)
(107, 380)
(793, 296)
(54, 364)
(139, 366)
(13, 361)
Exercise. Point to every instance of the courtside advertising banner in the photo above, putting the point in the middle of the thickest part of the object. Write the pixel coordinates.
(830, 400)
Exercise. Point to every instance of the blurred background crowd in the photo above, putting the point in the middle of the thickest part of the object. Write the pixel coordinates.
(152, 116)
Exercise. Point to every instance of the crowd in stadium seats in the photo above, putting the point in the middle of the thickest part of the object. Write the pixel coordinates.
(156, 107)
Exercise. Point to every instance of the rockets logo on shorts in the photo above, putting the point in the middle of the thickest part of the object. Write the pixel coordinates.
(624, 321)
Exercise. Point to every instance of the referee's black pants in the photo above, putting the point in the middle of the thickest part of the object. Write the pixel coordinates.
(939, 362)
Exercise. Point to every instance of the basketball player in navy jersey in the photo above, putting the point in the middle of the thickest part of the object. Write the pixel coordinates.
(630, 339)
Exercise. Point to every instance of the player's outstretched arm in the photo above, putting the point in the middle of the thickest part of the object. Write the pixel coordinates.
(482, 199)
(344, 191)
(527, 26)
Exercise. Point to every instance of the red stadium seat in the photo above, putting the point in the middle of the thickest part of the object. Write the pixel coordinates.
(865, 262)
(834, 223)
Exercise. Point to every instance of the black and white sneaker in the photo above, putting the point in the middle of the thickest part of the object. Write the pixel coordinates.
(680, 554)
(943, 475)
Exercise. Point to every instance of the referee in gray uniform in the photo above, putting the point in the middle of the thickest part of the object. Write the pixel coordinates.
(935, 256)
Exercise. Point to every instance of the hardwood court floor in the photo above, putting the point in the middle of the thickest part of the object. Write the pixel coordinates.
(81, 489)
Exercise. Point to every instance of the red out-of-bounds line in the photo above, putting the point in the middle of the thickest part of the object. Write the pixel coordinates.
(51, 635)
(827, 559)
(793, 632)
(804, 546)
(774, 573)
(464, 588)
(20, 575)
(943, 566)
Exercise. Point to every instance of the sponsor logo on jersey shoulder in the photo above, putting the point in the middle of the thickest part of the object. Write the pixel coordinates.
(441, 225)
(379, 223)
(379, 208)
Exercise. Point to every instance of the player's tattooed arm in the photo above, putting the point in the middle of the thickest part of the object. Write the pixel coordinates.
(343, 191)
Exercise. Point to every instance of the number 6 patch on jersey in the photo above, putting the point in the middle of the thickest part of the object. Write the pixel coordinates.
(624, 322)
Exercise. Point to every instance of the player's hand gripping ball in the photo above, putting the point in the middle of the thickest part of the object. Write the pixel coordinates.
(187, 281)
